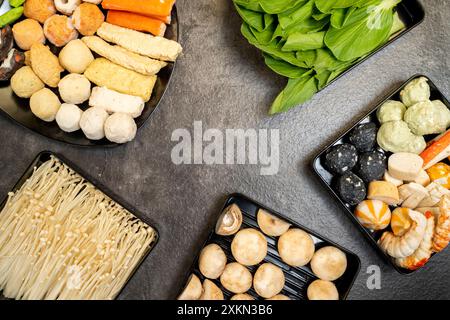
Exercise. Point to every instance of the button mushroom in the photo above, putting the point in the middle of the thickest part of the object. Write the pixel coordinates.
(236, 278)
(271, 225)
(296, 247)
(242, 297)
(322, 290)
(249, 247)
(193, 289)
(279, 297)
(13, 62)
(230, 221)
(211, 291)
(329, 263)
(212, 261)
(269, 280)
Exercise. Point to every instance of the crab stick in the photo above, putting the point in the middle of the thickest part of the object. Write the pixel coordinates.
(145, 7)
(438, 150)
(136, 22)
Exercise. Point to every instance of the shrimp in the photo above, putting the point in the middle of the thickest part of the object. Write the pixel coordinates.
(404, 246)
(442, 232)
(421, 256)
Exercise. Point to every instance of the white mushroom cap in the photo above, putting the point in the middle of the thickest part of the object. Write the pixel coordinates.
(68, 117)
(322, 290)
(92, 123)
(120, 128)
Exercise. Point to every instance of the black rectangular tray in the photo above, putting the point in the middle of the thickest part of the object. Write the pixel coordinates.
(412, 13)
(297, 279)
(326, 177)
(44, 156)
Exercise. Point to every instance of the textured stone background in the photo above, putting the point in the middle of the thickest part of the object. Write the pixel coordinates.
(223, 82)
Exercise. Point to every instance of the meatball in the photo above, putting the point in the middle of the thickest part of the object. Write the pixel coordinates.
(341, 158)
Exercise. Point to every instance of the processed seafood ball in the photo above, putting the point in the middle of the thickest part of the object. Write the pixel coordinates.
(59, 30)
(416, 91)
(371, 166)
(364, 136)
(212, 261)
(329, 263)
(249, 247)
(39, 10)
(67, 7)
(28, 32)
(87, 18)
(236, 278)
(322, 290)
(92, 123)
(45, 104)
(391, 110)
(76, 57)
(74, 88)
(351, 188)
(120, 128)
(341, 158)
(269, 280)
(296, 247)
(68, 117)
(25, 82)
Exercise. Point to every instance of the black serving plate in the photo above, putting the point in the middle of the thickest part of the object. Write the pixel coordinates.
(297, 279)
(18, 109)
(412, 13)
(45, 156)
(327, 178)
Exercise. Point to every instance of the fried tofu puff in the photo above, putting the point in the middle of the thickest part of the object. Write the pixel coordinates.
(46, 65)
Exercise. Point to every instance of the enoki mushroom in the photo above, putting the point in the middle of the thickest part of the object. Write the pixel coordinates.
(61, 238)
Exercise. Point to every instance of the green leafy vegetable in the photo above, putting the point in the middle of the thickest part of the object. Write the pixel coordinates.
(312, 42)
(296, 92)
(304, 41)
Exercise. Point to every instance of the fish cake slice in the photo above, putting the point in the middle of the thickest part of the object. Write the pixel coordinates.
(105, 73)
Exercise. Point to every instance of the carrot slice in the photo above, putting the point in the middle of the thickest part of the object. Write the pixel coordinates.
(435, 149)
(145, 7)
(136, 22)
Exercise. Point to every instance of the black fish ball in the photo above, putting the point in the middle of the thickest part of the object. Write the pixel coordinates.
(341, 158)
(364, 136)
(371, 166)
(351, 188)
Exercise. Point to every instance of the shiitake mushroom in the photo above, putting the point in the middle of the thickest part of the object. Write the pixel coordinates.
(13, 62)
(211, 291)
(212, 261)
(230, 221)
(193, 289)
(271, 225)
(6, 42)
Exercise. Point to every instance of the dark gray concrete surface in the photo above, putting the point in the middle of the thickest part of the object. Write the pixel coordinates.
(223, 82)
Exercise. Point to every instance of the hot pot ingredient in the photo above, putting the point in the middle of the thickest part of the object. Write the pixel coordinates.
(45, 105)
(112, 102)
(46, 65)
(25, 82)
(28, 32)
(58, 222)
(391, 111)
(329, 263)
(68, 117)
(230, 221)
(74, 88)
(87, 18)
(416, 91)
(322, 290)
(75, 57)
(120, 128)
(373, 214)
(296, 247)
(371, 166)
(39, 10)
(364, 136)
(341, 158)
(93, 123)
(268, 280)
(428, 118)
(249, 247)
(59, 30)
(236, 278)
(242, 297)
(212, 261)
(351, 188)
(193, 289)
(395, 136)
(211, 291)
(271, 225)
(67, 7)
